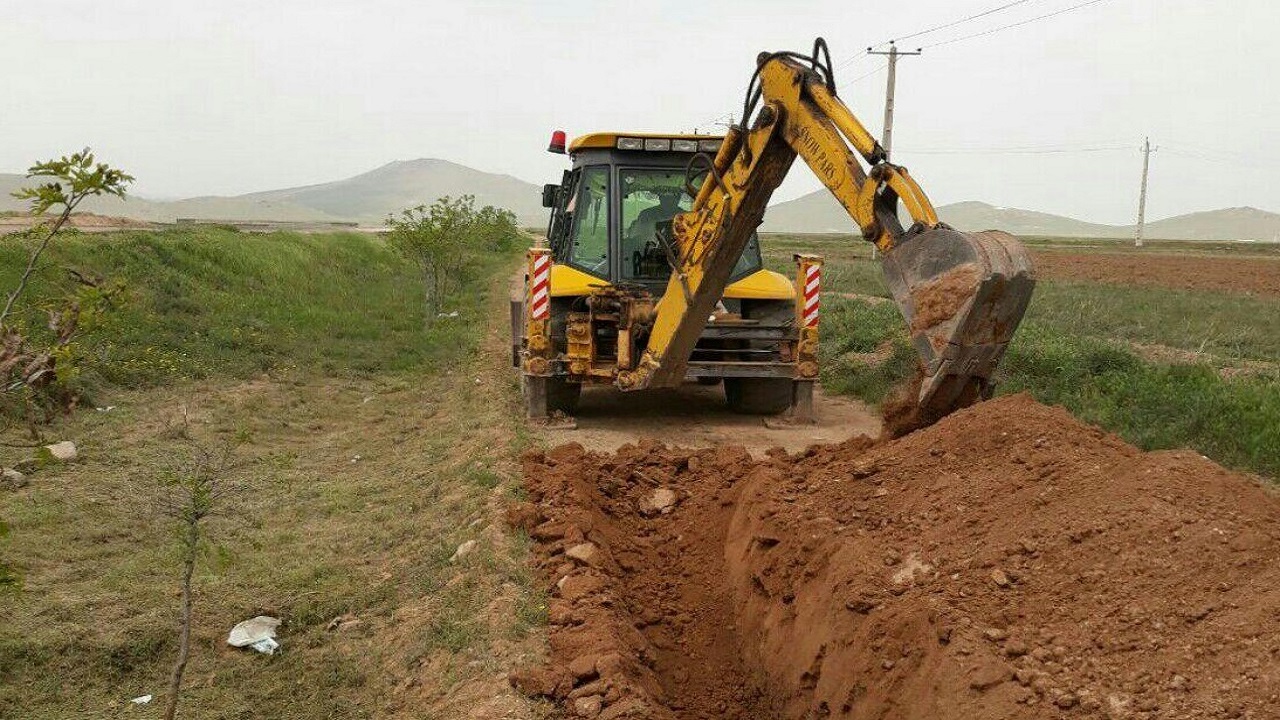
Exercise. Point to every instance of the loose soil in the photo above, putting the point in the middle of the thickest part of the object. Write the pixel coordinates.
(1253, 276)
(938, 301)
(1007, 562)
(84, 221)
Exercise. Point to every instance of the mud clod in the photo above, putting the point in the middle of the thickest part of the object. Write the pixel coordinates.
(1027, 570)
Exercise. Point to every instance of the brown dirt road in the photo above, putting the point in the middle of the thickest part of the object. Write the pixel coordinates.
(696, 416)
(1008, 562)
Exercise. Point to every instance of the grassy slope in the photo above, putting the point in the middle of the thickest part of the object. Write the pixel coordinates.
(362, 464)
(1074, 349)
(209, 302)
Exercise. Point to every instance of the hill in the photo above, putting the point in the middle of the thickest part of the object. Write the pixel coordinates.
(367, 198)
(974, 215)
(397, 185)
(819, 212)
(1240, 223)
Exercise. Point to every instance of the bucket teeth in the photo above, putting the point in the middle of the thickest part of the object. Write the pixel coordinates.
(962, 295)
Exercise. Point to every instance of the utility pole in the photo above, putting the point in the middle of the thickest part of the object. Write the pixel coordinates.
(893, 55)
(1142, 196)
(887, 139)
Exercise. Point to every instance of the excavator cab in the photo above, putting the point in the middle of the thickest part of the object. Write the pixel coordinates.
(608, 214)
(610, 261)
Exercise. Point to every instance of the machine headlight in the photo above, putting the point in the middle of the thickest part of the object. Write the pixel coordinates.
(630, 143)
(709, 145)
(684, 145)
(657, 144)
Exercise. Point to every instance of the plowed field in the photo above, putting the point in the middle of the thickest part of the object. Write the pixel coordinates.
(1253, 276)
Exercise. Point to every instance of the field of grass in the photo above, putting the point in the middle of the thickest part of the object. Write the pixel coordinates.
(214, 302)
(366, 447)
(1164, 368)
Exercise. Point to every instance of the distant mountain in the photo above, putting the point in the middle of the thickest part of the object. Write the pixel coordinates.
(405, 183)
(974, 215)
(367, 198)
(1239, 223)
(816, 212)
(819, 212)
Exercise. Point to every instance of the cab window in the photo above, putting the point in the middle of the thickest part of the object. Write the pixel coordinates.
(750, 260)
(651, 197)
(589, 210)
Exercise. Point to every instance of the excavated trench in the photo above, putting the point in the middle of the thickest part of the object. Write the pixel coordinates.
(1008, 562)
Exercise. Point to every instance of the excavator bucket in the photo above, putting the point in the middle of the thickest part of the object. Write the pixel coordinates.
(963, 295)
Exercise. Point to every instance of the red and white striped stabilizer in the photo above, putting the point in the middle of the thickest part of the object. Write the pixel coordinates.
(812, 286)
(540, 287)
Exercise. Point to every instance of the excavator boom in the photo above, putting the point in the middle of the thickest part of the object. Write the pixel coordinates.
(962, 295)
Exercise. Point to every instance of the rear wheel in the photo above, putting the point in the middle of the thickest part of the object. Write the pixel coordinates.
(562, 395)
(758, 396)
(558, 394)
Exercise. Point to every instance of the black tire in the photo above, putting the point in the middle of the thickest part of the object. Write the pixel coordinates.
(758, 396)
(562, 395)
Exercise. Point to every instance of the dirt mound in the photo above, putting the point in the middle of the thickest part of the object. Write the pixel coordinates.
(1008, 562)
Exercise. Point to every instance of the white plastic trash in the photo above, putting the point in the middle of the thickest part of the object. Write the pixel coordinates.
(266, 646)
(141, 700)
(258, 633)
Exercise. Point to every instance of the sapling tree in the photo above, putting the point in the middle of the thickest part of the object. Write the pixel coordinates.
(194, 490)
(72, 178)
(444, 240)
(31, 372)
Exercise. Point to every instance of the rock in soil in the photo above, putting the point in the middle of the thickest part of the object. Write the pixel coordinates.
(1020, 564)
(64, 451)
(12, 479)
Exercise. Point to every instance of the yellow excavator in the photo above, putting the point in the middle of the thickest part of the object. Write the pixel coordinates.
(652, 274)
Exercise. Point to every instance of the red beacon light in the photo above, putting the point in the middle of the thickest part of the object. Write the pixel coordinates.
(557, 143)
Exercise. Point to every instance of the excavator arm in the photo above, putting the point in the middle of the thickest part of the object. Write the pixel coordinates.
(962, 295)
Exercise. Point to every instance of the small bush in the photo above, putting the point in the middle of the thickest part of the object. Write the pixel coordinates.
(447, 240)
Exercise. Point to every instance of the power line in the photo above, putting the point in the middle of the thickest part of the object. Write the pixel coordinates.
(961, 21)
(1046, 150)
(1219, 155)
(936, 28)
(849, 61)
(1256, 163)
(864, 75)
(1014, 25)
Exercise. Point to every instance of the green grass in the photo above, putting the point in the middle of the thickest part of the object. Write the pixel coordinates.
(207, 302)
(1235, 421)
(1077, 347)
(370, 449)
(1228, 325)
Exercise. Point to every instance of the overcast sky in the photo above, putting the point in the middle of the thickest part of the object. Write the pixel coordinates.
(232, 96)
